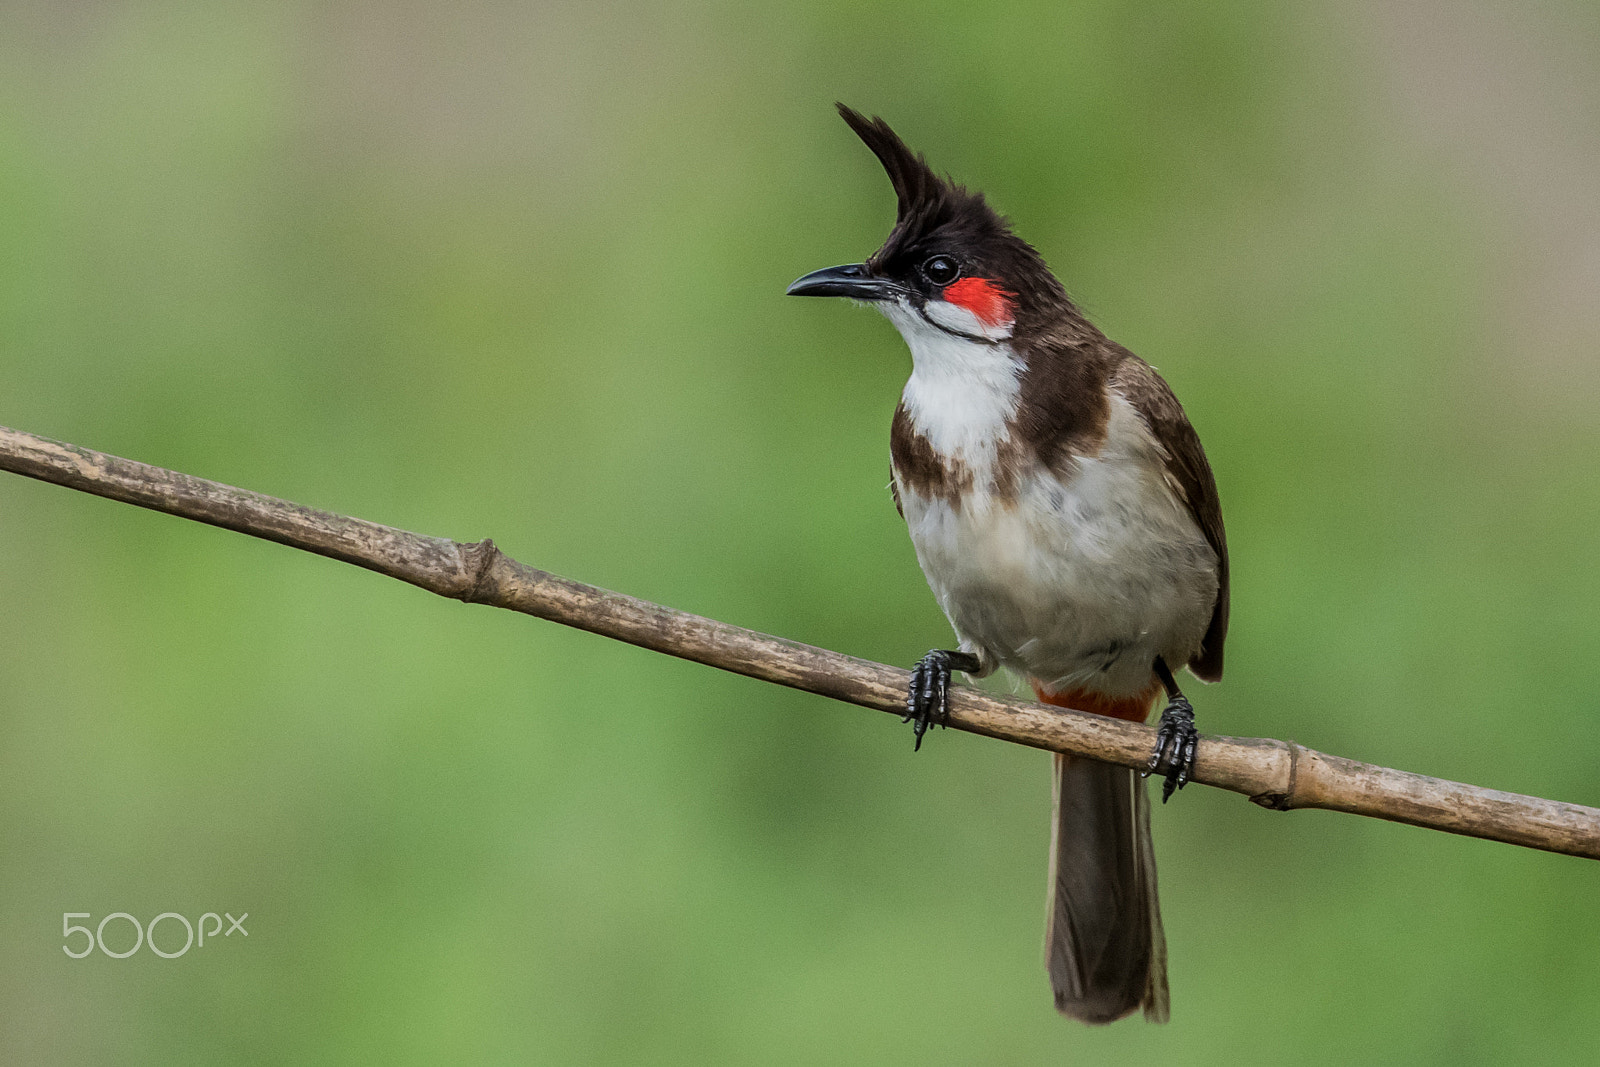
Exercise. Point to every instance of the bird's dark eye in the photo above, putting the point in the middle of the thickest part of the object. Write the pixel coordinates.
(941, 270)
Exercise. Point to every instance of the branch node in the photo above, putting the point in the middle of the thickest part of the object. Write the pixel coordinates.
(1284, 801)
(480, 558)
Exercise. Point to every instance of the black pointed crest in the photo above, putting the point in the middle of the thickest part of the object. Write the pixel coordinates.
(924, 200)
(916, 187)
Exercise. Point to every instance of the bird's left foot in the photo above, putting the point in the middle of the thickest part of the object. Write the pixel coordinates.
(928, 698)
(1176, 739)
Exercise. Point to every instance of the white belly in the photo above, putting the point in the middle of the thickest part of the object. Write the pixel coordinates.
(1079, 582)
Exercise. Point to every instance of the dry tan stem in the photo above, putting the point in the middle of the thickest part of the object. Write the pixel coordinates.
(1274, 774)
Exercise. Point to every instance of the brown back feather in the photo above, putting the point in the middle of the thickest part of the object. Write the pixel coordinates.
(1186, 462)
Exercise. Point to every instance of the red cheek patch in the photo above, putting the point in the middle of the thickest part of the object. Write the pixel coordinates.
(990, 303)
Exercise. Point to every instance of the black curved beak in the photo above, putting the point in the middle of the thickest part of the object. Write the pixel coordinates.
(852, 280)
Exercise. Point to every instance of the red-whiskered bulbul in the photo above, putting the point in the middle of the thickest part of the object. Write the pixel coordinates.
(1067, 520)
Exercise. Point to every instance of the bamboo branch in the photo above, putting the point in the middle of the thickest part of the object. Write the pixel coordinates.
(1275, 774)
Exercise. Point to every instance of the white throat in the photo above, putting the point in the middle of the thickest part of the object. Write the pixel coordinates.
(962, 393)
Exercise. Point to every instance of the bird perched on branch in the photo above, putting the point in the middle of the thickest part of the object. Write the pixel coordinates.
(1067, 520)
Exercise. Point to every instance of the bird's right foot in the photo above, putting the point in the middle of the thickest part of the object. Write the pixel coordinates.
(928, 698)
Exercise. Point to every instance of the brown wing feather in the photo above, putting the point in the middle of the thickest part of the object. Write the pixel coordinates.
(1138, 382)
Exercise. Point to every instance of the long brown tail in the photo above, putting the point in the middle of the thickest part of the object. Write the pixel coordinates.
(1104, 947)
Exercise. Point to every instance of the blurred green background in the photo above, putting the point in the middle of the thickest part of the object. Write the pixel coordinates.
(516, 270)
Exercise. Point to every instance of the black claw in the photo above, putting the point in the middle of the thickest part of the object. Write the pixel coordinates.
(1176, 739)
(928, 696)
